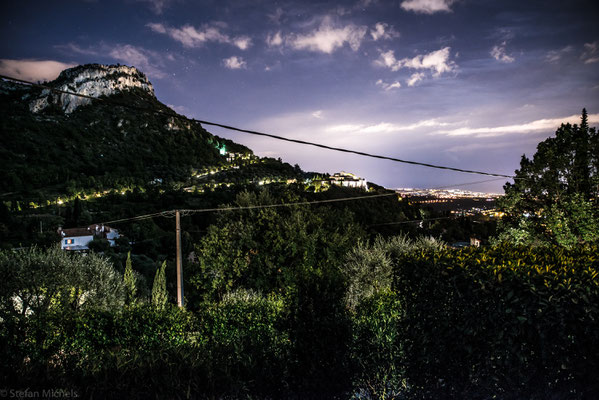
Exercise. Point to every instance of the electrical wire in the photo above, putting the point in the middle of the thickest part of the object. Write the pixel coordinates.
(186, 212)
(252, 132)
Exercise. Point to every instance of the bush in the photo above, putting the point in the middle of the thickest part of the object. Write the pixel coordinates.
(377, 348)
(504, 321)
(247, 348)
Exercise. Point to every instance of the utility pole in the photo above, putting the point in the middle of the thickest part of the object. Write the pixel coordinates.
(180, 298)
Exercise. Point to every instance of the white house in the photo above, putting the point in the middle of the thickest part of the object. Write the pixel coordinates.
(348, 179)
(77, 239)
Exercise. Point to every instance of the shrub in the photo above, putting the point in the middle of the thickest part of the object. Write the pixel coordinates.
(377, 348)
(247, 348)
(502, 321)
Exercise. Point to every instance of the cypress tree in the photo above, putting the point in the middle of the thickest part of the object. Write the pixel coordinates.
(129, 279)
(159, 295)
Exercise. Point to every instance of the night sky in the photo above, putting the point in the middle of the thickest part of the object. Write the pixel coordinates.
(466, 83)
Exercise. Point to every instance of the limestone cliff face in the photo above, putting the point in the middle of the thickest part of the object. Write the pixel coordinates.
(93, 80)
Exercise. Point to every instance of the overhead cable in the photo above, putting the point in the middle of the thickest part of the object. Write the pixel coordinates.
(184, 212)
(252, 132)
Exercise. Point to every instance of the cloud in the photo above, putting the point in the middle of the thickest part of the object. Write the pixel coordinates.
(554, 56)
(383, 31)
(327, 38)
(415, 78)
(388, 86)
(591, 53)
(275, 17)
(499, 53)
(427, 6)
(534, 126)
(190, 36)
(152, 63)
(243, 42)
(234, 62)
(274, 40)
(437, 61)
(33, 70)
(156, 27)
(144, 60)
(384, 127)
(74, 48)
(317, 114)
(157, 6)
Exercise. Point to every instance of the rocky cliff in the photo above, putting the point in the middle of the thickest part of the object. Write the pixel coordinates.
(93, 80)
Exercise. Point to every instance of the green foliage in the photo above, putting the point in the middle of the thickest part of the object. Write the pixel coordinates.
(99, 245)
(130, 281)
(377, 347)
(36, 285)
(504, 321)
(35, 280)
(248, 351)
(369, 269)
(269, 250)
(159, 294)
(554, 198)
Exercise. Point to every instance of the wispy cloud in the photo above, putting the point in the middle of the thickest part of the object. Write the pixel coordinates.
(591, 53)
(327, 38)
(74, 48)
(190, 36)
(427, 6)
(33, 70)
(415, 78)
(554, 56)
(276, 16)
(550, 124)
(382, 30)
(388, 86)
(157, 6)
(234, 62)
(144, 60)
(499, 53)
(152, 63)
(384, 127)
(437, 61)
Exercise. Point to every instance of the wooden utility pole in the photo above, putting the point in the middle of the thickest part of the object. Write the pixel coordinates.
(180, 298)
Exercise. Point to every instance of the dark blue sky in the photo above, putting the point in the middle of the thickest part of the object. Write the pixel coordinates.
(468, 83)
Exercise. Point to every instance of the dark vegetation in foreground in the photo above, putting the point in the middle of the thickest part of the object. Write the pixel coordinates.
(396, 319)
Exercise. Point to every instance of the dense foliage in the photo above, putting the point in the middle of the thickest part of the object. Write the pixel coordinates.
(555, 196)
(502, 322)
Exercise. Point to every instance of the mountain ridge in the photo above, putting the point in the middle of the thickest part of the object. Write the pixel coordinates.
(55, 139)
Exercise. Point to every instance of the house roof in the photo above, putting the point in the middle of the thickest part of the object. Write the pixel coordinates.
(77, 232)
(88, 231)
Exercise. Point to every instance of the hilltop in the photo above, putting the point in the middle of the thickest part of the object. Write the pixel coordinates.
(58, 143)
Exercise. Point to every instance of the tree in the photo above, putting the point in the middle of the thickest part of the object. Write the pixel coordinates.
(159, 294)
(130, 280)
(37, 280)
(554, 196)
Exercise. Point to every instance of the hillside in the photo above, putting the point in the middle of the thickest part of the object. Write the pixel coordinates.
(58, 143)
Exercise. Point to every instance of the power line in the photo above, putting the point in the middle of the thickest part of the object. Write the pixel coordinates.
(466, 184)
(252, 132)
(185, 212)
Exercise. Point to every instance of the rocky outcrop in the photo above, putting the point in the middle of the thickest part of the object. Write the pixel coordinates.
(93, 80)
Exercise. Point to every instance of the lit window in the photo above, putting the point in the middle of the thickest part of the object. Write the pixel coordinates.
(69, 241)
